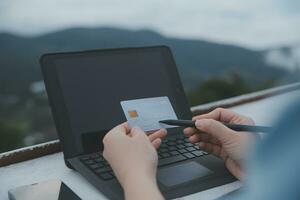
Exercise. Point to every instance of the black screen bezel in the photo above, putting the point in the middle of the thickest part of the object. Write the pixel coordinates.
(57, 104)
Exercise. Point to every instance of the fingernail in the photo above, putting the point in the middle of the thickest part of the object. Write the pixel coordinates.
(199, 123)
(164, 130)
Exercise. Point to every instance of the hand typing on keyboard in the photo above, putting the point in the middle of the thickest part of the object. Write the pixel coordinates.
(133, 158)
(217, 139)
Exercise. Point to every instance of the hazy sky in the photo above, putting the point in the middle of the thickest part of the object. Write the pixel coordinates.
(252, 23)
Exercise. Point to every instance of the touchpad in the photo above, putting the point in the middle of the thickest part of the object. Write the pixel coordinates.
(182, 173)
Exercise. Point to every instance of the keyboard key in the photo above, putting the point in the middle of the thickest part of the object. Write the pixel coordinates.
(172, 148)
(182, 150)
(174, 153)
(113, 174)
(101, 164)
(106, 176)
(190, 148)
(180, 146)
(172, 139)
(83, 158)
(163, 145)
(95, 166)
(171, 143)
(95, 155)
(98, 165)
(105, 163)
(163, 150)
(89, 162)
(171, 160)
(188, 144)
(103, 169)
(179, 141)
(189, 155)
(180, 137)
(197, 153)
(164, 155)
(100, 159)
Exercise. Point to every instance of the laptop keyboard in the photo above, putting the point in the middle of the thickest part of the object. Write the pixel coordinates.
(172, 150)
(177, 149)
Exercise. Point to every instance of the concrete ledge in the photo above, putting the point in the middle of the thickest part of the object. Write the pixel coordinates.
(28, 153)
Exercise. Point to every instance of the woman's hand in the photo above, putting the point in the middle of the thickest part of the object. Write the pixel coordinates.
(214, 137)
(133, 158)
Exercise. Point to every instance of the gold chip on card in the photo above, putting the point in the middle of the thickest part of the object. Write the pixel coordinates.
(133, 113)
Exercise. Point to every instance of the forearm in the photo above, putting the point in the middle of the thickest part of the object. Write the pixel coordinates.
(141, 187)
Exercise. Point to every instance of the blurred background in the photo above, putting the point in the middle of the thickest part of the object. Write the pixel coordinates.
(223, 48)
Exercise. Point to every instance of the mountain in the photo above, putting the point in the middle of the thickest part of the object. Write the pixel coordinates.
(196, 60)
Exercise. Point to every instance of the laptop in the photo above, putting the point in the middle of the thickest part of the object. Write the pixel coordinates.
(85, 90)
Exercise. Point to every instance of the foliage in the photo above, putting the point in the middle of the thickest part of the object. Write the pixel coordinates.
(11, 135)
(218, 88)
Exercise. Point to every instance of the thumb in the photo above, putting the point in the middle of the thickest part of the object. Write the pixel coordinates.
(214, 128)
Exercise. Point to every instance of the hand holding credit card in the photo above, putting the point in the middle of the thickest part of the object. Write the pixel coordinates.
(146, 113)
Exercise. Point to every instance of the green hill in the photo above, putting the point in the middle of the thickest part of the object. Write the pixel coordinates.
(197, 60)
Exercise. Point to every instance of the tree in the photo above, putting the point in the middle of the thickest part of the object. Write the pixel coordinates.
(218, 88)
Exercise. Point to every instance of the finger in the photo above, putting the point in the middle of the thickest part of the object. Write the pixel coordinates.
(215, 129)
(156, 143)
(190, 131)
(219, 114)
(118, 131)
(158, 134)
(122, 128)
(199, 138)
(203, 137)
(195, 138)
(105, 154)
(240, 119)
(234, 168)
(211, 138)
(205, 146)
(223, 154)
(215, 149)
(137, 131)
(211, 148)
(126, 126)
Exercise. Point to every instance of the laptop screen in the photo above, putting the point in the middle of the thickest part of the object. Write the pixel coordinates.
(92, 84)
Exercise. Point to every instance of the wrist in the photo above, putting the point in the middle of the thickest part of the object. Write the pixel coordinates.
(138, 178)
(141, 186)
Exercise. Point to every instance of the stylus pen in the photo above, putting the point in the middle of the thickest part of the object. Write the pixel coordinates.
(235, 127)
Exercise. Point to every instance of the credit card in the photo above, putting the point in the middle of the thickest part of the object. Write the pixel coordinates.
(146, 113)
